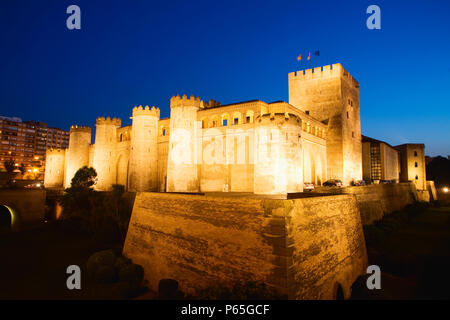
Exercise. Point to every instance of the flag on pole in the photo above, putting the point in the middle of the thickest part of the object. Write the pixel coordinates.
(309, 57)
(317, 53)
(299, 58)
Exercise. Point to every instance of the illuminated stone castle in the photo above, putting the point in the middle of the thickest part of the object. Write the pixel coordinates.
(252, 146)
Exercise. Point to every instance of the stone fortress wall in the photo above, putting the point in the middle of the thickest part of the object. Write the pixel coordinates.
(305, 248)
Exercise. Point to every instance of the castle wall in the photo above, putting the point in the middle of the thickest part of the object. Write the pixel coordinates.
(54, 168)
(105, 152)
(122, 163)
(78, 152)
(351, 133)
(28, 205)
(91, 155)
(376, 200)
(367, 174)
(304, 247)
(163, 153)
(227, 159)
(389, 158)
(314, 159)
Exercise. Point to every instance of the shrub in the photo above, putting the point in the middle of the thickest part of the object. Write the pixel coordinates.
(121, 262)
(168, 290)
(105, 274)
(132, 273)
(100, 259)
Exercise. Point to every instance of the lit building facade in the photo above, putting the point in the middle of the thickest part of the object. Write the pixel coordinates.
(252, 146)
(25, 143)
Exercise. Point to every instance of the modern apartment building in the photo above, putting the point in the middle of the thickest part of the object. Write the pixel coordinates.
(25, 143)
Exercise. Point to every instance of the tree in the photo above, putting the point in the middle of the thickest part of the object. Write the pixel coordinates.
(85, 177)
(22, 169)
(76, 199)
(9, 166)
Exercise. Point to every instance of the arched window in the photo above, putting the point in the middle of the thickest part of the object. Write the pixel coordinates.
(225, 119)
(249, 116)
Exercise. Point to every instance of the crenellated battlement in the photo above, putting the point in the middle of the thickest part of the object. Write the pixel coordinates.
(76, 128)
(147, 111)
(184, 101)
(108, 121)
(328, 71)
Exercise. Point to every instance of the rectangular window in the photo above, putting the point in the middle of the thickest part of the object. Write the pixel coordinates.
(375, 161)
(248, 119)
(236, 121)
(224, 122)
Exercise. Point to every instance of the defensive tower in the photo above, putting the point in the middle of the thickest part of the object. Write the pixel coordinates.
(330, 94)
(182, 171)
(54, 168)
(143, 169)
(278, 158)
(78, 154)
(105, 152)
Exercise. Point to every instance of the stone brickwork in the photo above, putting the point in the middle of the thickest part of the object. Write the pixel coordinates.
(376, 200)
(305, 248)
(54, 169)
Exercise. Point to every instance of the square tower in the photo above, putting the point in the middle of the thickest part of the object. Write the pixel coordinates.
(331, 95)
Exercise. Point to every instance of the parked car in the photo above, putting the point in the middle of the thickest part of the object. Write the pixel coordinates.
(359, 183)
(387, 181)
(333, 183)
(35, 185)
(308, 186)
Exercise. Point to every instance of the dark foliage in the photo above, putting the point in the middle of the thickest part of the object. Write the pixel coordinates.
(9, 166)
(102, 214)
(110, 267)
(438, 170)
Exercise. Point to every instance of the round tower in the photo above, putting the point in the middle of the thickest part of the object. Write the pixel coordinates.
(182, 173)
(54, 168)
(278, 161)
(143, 168)
(105, 152)
(77, 156)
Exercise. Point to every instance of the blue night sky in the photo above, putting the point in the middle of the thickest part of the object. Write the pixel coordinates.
(138, 52)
